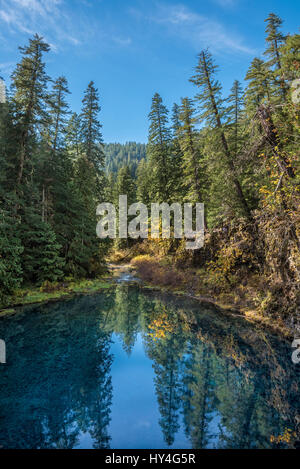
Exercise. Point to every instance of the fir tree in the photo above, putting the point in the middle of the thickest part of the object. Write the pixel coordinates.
(29, 82)
(159, 150)
(41, 259)
(213, 113)
(10, 258)
(73, 136)
(143, 182)
(275, 39)
(258, 88)
(125, 185)
(191, 161)
(59, 110)
(91, 128)
(236, 103)
(176, 156)
(290, 57)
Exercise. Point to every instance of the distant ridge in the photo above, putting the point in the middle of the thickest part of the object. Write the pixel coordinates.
(122, 154)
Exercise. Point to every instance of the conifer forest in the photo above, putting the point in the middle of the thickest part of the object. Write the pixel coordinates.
(214, 326)
(238, 154)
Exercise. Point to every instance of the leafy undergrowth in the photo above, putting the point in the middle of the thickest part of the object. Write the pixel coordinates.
(153, 271)
(53, 291)
(120, 256)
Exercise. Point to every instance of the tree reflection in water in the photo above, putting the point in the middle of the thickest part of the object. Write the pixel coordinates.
(226, 383)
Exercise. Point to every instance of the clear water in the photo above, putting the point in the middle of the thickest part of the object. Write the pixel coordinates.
(131, 368)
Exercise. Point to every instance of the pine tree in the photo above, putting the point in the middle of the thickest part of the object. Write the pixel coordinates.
(158, 150)
(259, 85)
(191, 161)
(213, 113)
(125, 185)
(84, 257)
(235, 110)
(175, 119)
(110, 188)
(10, 254)
(51, 146)
(143, 182)
(66, 206)
(290, 57)
(41, 259)
(29, 82)
(176, 156)
(73, 136)
(91, 128)
(275, 39)
(9, 134)
(59, 109)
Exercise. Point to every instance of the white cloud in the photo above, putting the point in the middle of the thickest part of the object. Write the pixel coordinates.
(38, 7)
(13, 21)
(46, 17)
(198, 29)
(59, 23)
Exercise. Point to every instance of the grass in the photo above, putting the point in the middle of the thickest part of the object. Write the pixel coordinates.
(6, 312)
(51, 292)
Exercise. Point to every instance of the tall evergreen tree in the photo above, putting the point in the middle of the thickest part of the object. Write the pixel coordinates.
(59, 109)
(11, 274)
(236, 103)
(143, 182)
(159, 150)
(191, 161)
(176, 156)
(258, 88)
(41, 259)
(52, 144)
(91, 128)
(125, 185)
(29, 82)
(73, 136)
(275, 39)
(290, 58)
(213, 112)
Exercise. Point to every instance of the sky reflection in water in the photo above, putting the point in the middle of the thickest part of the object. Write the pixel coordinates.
(131, 368)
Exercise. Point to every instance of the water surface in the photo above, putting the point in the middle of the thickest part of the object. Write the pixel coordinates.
(131, 368)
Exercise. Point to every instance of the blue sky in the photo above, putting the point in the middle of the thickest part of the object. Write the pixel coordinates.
(134, 48)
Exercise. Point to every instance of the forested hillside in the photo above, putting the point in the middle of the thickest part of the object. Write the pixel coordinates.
(51, 175)
(243, 164)
(128, 154)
